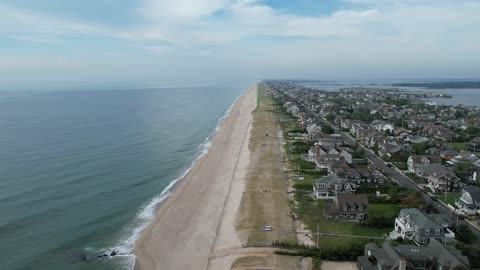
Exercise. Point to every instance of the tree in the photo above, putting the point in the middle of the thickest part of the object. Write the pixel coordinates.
(420, 148)
(465, 235)
(358, 153)
(471, 130)
(327, 129)
(330, 117)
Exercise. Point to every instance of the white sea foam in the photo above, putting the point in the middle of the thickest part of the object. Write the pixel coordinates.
(146, 213)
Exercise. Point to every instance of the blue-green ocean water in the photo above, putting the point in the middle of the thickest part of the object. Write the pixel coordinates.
(81, 170)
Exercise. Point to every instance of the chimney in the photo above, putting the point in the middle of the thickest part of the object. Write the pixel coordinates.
(402, 264)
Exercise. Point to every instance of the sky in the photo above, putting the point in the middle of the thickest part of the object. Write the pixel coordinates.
(201, 40)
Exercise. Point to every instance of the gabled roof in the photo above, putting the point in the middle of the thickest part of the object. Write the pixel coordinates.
(440, 172)
(419, 218)
(432, 168)
(388, 256)
(474, 192)
(350, 199)
(330, 179)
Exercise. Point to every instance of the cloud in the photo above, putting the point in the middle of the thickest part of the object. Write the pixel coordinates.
(365, 36)
(18, 21)
(159, 10)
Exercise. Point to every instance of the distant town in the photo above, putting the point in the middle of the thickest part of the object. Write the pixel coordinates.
(381, 176)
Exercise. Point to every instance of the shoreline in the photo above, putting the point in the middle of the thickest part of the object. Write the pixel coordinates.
(146, 213)
(184, 229)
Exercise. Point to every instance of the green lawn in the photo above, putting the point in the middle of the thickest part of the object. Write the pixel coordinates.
(450, 198)
(383, 209)
(311, 213)
(458, 146)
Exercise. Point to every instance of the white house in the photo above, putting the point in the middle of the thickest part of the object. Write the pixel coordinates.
(469, 202)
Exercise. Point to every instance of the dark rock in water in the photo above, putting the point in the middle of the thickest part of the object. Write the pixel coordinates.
(113, 253)
(105, 255)
(84, 258)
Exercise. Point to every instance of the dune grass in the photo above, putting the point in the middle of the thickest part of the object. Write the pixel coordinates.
(259, 208)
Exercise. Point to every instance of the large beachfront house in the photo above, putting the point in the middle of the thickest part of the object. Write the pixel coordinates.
(469, 202)
(435, 256)
(325, 156)
(442, 180)
(414, 225)
(328, 187)
(348, 207)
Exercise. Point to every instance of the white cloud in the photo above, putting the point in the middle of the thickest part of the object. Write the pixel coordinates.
(370, 36)
(159, 10)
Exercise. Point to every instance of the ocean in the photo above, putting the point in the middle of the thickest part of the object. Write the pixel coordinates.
(82, 170)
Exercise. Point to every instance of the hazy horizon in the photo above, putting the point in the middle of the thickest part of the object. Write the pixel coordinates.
(55, 41)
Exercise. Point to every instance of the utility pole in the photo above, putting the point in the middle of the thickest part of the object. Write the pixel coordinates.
(318, 233)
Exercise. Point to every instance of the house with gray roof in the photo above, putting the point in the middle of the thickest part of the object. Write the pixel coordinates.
(427, 171)
(417, 163)
(434, 256)
(442, 180)
(328, 187)
(348, 207)
(411, 224)
(469, 202)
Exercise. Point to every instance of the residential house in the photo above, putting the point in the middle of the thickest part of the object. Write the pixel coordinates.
(345, 171)
(469, 202)
(434, 256)
(474, 144)
(419, 122)
(382, 126)
(328, 187)
(439, 132)
(414, 225)
(293, 109)
(326, 156)
(415, 139)
(417, 163)
(427, 171)
(372, 176)
(332, 140)
(348, 207)
(433, 151)
(442, 180)
(448, 154)
(314, 131)
(463, 157)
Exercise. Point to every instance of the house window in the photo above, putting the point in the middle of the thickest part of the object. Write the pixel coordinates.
(437, 231)
(361, 216)
(427, 231)
(360, 207)
(345, 207)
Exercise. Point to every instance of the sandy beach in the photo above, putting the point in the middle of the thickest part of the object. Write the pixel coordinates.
(198, 219)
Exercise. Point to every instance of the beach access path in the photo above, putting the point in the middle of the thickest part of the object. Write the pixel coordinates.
(199, 216)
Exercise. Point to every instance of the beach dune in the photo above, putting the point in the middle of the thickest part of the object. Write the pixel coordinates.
(198, 217)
